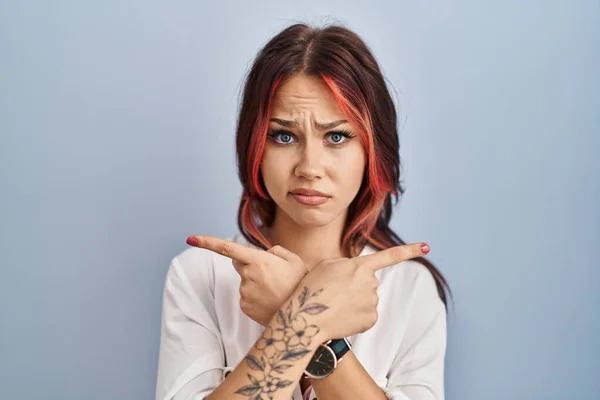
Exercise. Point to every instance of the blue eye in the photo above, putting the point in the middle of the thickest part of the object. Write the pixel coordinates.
(282, 137)
(335, 138)
(338, 138)
(285, 138)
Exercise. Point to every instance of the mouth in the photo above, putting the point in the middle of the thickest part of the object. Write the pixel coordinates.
(309, 197)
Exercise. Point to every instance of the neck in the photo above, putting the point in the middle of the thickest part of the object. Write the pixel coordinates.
(311, 244)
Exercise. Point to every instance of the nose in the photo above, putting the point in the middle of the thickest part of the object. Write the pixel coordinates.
(310, 164)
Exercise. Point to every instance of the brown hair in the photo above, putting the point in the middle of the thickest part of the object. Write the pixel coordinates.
(343, 61)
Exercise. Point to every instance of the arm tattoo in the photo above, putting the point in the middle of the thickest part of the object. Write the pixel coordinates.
(280, 345)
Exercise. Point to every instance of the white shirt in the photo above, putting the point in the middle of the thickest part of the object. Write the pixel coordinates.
(204, 333)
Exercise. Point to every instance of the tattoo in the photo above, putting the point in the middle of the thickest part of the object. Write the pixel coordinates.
(281, 345)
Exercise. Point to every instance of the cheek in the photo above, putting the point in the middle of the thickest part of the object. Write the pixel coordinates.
(350, 168)
(273, 170)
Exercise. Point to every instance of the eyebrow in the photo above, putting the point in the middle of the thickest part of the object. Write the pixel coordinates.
(319, 125)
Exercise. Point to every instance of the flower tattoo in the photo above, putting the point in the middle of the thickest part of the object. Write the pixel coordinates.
(281, 345)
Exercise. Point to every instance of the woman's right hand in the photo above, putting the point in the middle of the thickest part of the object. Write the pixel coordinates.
(267, 277)
(345, 290)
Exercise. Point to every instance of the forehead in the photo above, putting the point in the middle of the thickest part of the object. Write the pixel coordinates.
(302, 95)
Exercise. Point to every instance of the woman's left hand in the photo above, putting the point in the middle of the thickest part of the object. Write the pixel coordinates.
(268, 277)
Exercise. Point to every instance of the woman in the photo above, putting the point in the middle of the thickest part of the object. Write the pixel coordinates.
(315, 296)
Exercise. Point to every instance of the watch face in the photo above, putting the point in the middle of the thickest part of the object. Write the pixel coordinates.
(322, 363)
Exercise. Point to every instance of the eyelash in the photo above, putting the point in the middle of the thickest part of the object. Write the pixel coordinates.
(274, 133)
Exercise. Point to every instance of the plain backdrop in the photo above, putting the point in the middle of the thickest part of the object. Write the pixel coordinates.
(117, 123)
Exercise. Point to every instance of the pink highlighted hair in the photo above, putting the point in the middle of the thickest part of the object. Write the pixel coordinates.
(346, 65)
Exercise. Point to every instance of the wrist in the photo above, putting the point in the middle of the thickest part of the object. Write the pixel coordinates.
(321, 337)
(302, 314)
(327, 358)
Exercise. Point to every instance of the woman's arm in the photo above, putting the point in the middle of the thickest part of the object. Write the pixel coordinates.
(191, 357)
(417, 372)
(273, 366)
(346, 289)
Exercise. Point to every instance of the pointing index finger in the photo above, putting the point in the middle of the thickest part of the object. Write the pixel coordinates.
(393, 255)
(226, 248)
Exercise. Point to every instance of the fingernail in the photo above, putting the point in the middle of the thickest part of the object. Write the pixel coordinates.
(425, 248)
(192, 241)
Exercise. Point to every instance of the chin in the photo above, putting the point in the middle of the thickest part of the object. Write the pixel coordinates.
(311, 218)
(312, 222)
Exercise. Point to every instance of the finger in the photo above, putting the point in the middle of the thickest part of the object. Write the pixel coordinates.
(284, 253)
(226, 248)
(393, 255)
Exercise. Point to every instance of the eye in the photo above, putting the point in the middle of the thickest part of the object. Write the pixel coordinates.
(282, 137)
(338, 138)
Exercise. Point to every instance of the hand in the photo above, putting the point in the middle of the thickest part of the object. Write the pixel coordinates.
(268, 277)
(343, 292)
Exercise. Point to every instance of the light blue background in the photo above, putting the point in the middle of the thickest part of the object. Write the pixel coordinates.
(117, 141)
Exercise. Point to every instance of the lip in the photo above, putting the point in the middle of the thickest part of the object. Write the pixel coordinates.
(309, 192)
(309, 196)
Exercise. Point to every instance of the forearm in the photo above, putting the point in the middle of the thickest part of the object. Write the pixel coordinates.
(273, 366)
(349, 381)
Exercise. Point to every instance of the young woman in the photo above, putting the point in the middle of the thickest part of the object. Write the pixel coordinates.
(315, 296)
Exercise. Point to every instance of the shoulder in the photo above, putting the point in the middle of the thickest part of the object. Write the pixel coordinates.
(409, 299)
(413, 274)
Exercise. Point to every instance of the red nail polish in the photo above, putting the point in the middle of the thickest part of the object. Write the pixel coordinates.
(425, 248)
(192, 241)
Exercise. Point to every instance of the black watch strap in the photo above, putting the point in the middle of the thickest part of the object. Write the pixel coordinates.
(339, 347)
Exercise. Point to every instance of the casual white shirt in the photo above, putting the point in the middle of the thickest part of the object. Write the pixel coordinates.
(204, 333)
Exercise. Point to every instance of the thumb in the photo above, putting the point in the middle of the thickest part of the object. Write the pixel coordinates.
(284, 253)
(287, 255)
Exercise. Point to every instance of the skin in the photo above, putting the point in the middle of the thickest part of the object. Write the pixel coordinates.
(307, 256)
(342, 294)
(313, 159)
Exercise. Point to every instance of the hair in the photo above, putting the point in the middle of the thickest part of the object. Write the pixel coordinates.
(346, 65)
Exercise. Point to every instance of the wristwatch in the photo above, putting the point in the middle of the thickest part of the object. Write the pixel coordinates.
(326, 358)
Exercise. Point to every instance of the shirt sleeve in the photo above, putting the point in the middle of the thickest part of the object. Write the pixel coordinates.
(417, 372)
(191, 358)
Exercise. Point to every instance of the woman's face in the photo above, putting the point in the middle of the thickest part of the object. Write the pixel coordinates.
(300, 153)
